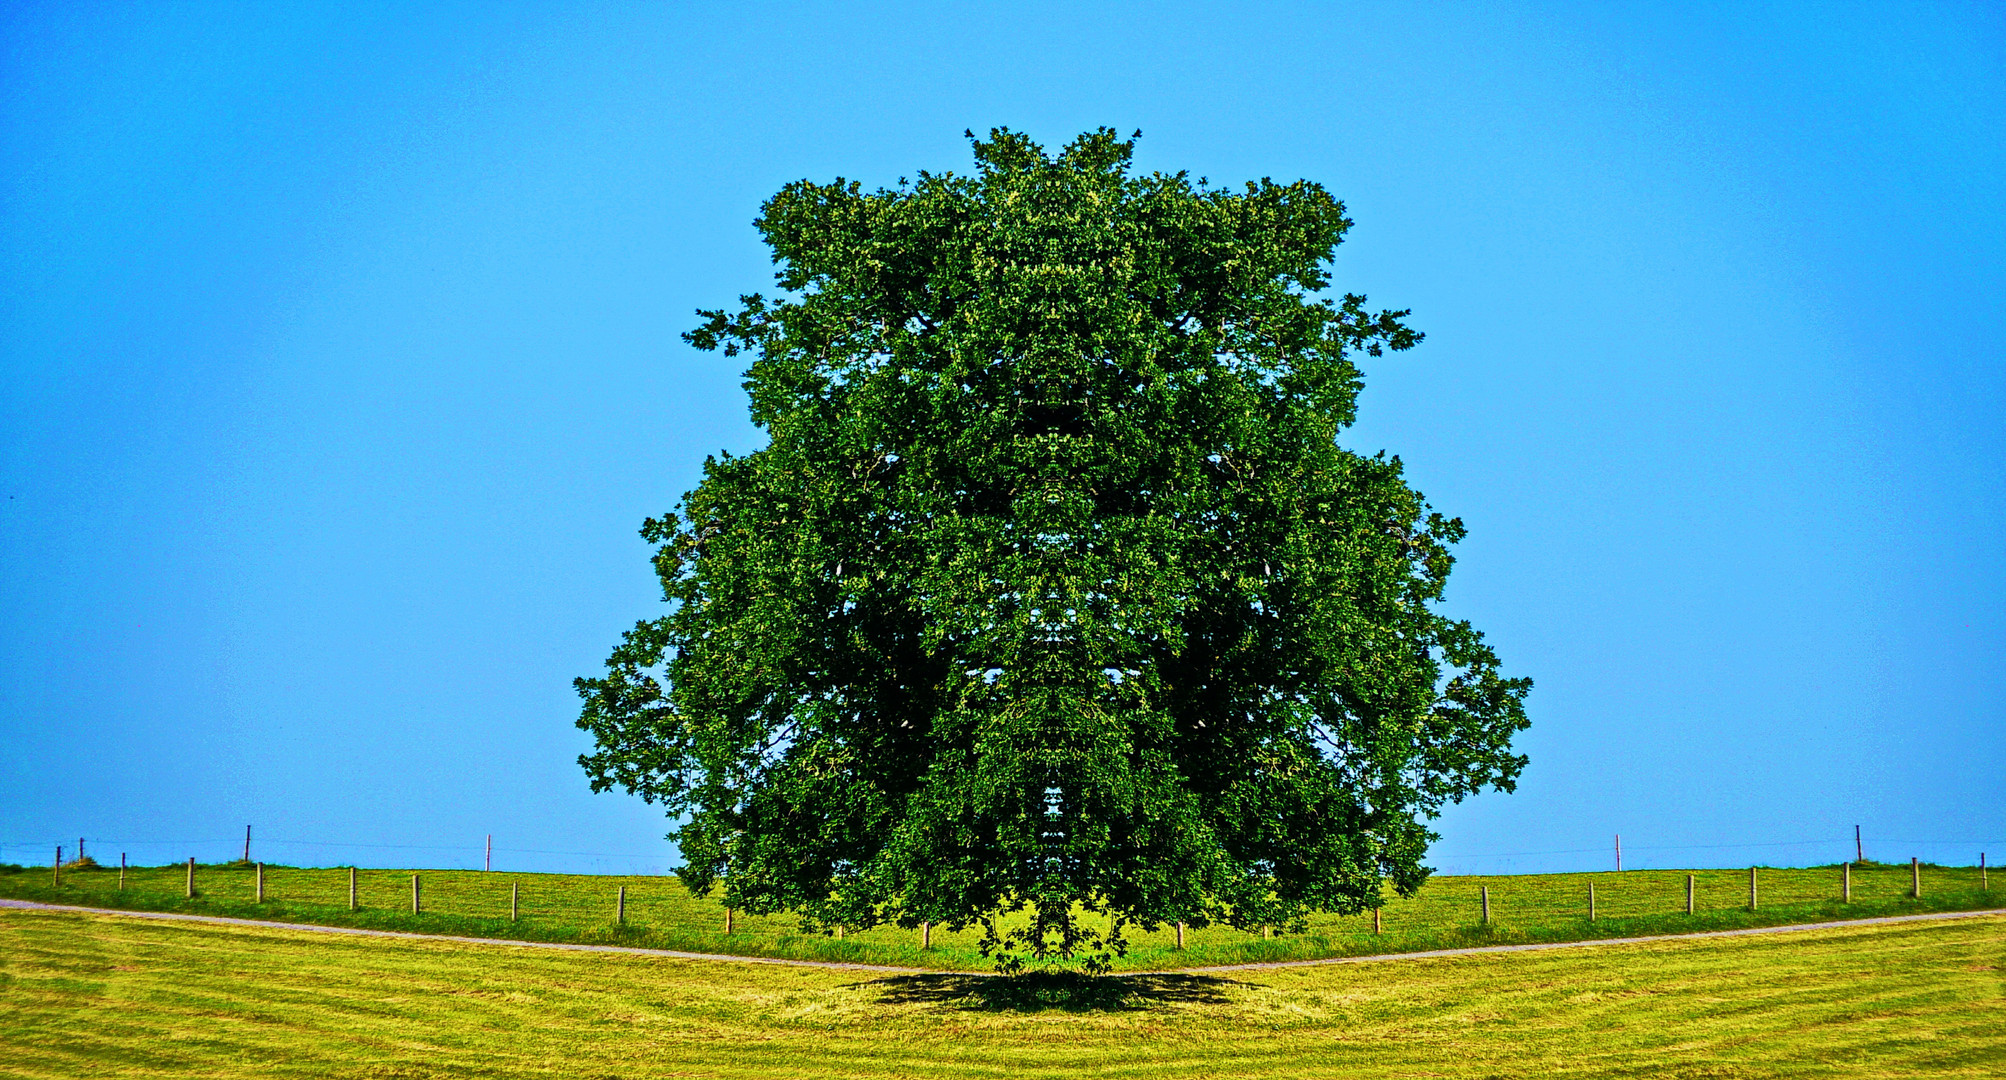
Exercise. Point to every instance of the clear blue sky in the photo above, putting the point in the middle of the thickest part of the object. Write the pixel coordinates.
(339, 365)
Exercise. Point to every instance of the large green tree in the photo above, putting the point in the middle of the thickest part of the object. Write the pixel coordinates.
(1052, 589)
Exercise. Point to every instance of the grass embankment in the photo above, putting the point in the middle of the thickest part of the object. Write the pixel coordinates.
(662, 914)
(93, 995)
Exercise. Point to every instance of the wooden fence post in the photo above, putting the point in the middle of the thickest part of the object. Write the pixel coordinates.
(727, 919)
(1691, 907)
(1487, 904)
(1846, 884)
(620, 907)
(1375, 923)
(1180, 928)
(415, 905)
(926, 935)
(514, 899)
(1982, 886)
(1591, 901)
(351, 888)
(261, 883)
(59, 865)
(191, 877)
(1915, 877)
(121, 869)
(1751, 888)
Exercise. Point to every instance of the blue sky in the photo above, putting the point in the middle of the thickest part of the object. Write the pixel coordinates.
(339, 365)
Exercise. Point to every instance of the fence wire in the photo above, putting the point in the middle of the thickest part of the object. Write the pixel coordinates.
(474, 856)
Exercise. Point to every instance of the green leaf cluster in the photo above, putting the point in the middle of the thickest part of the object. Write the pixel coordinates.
(1052, 590)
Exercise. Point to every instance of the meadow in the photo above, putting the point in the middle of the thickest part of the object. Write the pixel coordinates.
(660, 913)
(93, 995)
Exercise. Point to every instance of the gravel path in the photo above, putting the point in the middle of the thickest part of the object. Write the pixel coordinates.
(29, 905)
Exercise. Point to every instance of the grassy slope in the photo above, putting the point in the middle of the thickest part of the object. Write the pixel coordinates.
(661, 914)
(90, 995)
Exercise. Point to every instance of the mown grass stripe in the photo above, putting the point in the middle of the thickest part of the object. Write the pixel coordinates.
(1587, 942)
(27, 905)
(314, 928)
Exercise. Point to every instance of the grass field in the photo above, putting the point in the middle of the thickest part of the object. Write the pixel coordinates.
(660, 913)
(84, 995)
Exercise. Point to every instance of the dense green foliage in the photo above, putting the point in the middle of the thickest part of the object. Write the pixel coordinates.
(1052, 590)
(85, 996)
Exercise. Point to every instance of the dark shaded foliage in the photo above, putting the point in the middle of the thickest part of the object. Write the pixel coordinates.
(1053, 990)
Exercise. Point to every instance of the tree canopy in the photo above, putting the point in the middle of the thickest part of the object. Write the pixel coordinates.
(1052, 589)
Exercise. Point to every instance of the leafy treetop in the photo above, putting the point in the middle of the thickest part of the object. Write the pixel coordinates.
(1052, 589)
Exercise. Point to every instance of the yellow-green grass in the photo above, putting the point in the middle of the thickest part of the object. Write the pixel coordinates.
(660, 913)
(87, 995)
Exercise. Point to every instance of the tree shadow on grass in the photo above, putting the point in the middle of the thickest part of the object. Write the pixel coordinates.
(1041, 991)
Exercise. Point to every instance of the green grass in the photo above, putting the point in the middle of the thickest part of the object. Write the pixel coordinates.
(84, 995)
(662, 914)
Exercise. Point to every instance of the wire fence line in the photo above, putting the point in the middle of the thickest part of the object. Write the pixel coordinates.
(317, 853)
(11, 845)
(1712, 847)
(1639, 856)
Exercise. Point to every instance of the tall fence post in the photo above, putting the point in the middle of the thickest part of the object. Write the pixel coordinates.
(620, 907)
(514, 899)
(926, 935)
(1846, 884)
(1915, 877)
(1691, 907)
(58, 872)
(261, 883)
(80, 850)
(1591, 901)
(351, 888)
(1180, 928)
(247, 843)
(1487, 904)
(490, 865)
(1375, 925)
(416, 907)
(121, 870)
(1982, 886)
(727, 919)
(1751, 888)
(191, 877)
